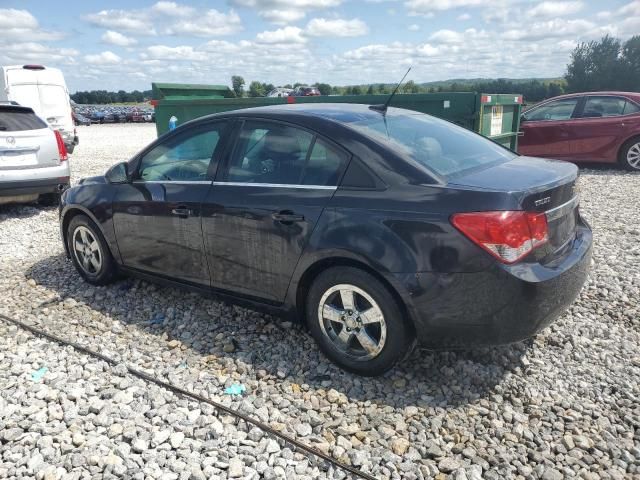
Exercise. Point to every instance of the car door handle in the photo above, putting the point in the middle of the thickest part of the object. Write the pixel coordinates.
(182, 212)
(287, 217)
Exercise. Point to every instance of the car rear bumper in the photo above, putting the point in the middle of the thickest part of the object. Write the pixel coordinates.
(31, 181)
(33, 187)
(503, 304)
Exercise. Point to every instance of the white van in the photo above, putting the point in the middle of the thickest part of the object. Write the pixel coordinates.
(44, 90)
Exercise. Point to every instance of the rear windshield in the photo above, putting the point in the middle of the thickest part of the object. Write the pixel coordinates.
(16, 120)
(440, 146)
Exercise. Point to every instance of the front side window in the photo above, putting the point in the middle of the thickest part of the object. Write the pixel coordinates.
(556, 110)
(435, 144)
(596, 107)
(184, 157)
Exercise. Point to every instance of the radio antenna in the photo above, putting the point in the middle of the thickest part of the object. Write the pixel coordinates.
(382, 108)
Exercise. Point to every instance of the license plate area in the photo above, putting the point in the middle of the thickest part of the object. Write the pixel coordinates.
(17, 159)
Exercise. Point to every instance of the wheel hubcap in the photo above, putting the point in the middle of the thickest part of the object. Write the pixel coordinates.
(87, 250)
(633, 156)
(354, 323)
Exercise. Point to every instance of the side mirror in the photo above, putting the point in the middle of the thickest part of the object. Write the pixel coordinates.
(119, 173)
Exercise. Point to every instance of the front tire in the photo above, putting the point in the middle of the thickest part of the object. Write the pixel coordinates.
(356, 321)
(89, 251)
(630, 154)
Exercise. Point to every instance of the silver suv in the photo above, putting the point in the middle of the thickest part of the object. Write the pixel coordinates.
(33, 159)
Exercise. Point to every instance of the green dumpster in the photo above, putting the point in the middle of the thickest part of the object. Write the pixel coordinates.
(496, 116)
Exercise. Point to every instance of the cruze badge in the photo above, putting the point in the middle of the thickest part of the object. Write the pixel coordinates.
(542, 201)
(11, 140)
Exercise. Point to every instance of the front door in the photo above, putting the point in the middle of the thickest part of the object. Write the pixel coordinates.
(546, 130)
(157, 217)
(264, 205)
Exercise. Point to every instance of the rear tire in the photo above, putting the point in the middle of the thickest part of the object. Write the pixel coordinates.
(356, 321)
(89, 251)
(630, 154)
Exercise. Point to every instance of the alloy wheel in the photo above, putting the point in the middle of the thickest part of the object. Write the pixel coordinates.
(633, 156)
(86, 249)
(352, 320)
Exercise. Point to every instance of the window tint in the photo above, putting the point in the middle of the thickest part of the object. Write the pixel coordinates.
(184, 157)
(557, 110)
(603, 107)
(433, 143)
(16, 120)
(324, 165)
(630, 107)
(269, 153)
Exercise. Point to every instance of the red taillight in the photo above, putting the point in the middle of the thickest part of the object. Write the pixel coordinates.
(62, 150)
(508, 236)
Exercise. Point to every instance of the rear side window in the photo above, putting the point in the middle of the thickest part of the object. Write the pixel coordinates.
(435, 144)
(274, 153)
(596, 107)
(17, 120)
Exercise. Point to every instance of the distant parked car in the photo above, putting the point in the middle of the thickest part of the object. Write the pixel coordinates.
(97, 117)
(79, 119)
(585, 127)
(280, 92)
(33, 157)
(306, 92)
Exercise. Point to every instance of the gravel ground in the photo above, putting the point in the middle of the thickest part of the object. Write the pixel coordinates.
(562, 405)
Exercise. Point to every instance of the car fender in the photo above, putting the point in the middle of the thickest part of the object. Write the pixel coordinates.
(98, 210)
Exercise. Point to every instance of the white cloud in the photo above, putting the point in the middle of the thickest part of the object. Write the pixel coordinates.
(555, 9)
(18, 53)
(322, 27)
(115, 38)
(414, 27)
(632, 8)
(213, 23)
(550, 29)
(422, 7)
(173, 9)
(464, 17)
(285, 35)
(447, 36)
(163, 52)
(20, 25)
(133, 21)
(282, 12)
(13, 18)
(104, 58)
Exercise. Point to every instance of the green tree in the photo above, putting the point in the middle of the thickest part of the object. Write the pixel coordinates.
(237, 84)
(256, 89)
(596, 66)
(631, 63)
(325, 88)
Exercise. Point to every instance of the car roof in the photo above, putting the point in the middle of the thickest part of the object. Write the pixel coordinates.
(341, 113)
(633, 95)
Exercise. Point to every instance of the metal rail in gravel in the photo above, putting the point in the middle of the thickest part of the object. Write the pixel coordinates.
(297, 445)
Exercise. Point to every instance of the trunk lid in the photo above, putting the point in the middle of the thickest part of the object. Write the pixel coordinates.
(535, 185)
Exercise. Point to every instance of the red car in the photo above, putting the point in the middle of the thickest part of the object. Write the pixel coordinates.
(599, 127)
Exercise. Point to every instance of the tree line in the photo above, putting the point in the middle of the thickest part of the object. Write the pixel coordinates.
(608, 64)
(101, 97)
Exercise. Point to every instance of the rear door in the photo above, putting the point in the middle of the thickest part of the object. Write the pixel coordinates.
(601, 128)
(546, 130)
(157, 217)
(264, 205)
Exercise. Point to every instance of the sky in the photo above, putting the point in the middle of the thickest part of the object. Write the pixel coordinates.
(127, 44)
